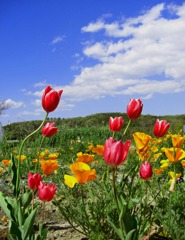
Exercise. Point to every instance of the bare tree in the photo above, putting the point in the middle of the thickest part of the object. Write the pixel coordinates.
(3, 106)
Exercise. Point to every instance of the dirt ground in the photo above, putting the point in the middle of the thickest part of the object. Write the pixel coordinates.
(58, 227)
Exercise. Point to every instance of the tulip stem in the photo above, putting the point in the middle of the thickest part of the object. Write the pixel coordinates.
(128, 124)
(116, 200)
(20, 151)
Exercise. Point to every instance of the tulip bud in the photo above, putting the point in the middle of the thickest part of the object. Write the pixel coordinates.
(34, 180)
(49, 129)
(46, 192)
(115, 124)
(161, 128)
(50, 99)
(145, 170)
(115, 152)
(134, 108)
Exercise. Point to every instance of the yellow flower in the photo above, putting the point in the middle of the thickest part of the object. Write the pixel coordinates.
(41, 155)
(53, 156)
(35, 160)
(1, 169)
(46, 151)
(14, 151)
(174, 154)
(6, 163)
(22, 157)
(99, 149)
(141, 140)
(165, 164)
(82, 174)
(177, 140)
(173, 175)
(49, 166)
(86, 158)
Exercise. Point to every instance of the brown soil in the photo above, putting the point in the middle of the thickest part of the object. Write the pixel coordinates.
(57, 226)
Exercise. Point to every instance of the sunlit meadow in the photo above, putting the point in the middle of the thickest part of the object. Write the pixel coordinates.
(104, 185)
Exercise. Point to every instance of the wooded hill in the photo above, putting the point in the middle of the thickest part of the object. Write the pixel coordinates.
(145, 123)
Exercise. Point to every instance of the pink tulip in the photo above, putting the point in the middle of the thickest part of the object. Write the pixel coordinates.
(34, 180)
(115, 152)
(134, 108)
(46, 192)
(145, 170)
(115, 124)
(161, 128)
(50, 99)
(49, 129)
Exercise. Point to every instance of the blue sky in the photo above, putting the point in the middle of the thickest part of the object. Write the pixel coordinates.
(100, 52)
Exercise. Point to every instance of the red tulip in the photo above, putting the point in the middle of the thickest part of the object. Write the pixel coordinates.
(50, 99)
(134, 108)
(46, 192)
(161, 128)
(115, 124)
(49, 129)
(115, 152)
(145, 170)
(34, 180)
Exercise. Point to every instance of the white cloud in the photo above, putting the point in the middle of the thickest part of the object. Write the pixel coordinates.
(41, 84)
(12, 104)
(145, 55)
(57, 39)
(137, 56)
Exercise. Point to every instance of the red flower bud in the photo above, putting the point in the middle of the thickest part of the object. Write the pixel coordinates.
(50, 99)
(46, 192)
(34, 180)
(115, 124)
(134, 108)
(115, 152)
(161, 128)
(49, 129)
(145, 170)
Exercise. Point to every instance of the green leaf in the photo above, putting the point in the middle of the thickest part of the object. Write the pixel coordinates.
(117, 230)
(7, 206)
(14, 176)
(14, 231)
(20, 214)
(26, 198)
(27, 228)
(130, 235)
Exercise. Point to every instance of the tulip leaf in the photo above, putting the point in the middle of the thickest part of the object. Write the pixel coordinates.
(20, 214)
(14, 176)
(7, 206)
(117, 230)
(28, 224)
(15, 233)
(129, 235)
(26, 198)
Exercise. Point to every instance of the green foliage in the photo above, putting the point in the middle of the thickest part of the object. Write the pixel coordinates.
(19, 130)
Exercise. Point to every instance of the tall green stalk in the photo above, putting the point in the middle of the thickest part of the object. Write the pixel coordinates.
(121, 224)
(20, 151)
